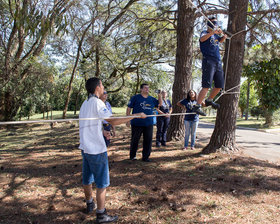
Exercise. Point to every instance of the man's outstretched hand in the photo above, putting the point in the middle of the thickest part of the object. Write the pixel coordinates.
(142, 115)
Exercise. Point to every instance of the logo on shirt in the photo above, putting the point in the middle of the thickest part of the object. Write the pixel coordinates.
(214, 41)
(145, 106)
(165, 105)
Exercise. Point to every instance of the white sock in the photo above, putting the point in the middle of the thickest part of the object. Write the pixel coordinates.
(90, 200)
(100, 211)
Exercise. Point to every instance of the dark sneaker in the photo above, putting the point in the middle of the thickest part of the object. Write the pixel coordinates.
(90, 207)
(212, 103)
(163, 144)
(197, 109)
(157, 144)
(146, 160)
(105, 218)
(134, 158)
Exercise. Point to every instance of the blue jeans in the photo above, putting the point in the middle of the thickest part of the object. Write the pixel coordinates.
(190, 129)
(96, 169)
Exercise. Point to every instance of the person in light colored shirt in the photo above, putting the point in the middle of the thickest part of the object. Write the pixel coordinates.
(93, 148)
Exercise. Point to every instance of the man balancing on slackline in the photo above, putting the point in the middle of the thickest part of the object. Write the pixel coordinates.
(211, 64)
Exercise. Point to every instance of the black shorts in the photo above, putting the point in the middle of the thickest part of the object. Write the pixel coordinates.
(212, 70)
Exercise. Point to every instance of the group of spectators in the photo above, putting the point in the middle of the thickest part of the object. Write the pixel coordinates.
(95, 133)
(145, 103)
(95, 136)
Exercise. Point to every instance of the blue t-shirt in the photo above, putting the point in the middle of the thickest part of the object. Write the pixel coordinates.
(189, 105)
(166, 105)
(210, 47)
(141, 104)
(106, 124)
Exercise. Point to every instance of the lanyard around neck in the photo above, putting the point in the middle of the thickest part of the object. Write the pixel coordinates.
(92, 95)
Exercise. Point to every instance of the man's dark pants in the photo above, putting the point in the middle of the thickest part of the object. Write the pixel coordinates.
(162, 125)
(136, 132)
(107, 127)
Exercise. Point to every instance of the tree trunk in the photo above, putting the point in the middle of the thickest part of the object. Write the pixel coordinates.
(9, 106)
(77, 97)
(137, 81)
(183, 67)
(74, 71)
(268, 115)
(248, 101)
(223, 137)
(97, 61)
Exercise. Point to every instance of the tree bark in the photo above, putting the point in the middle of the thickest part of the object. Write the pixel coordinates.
(77, 97)
(97, 61)
(137, 81)
(268, 115)
(183, 67)
(248, 101)
(223, 137)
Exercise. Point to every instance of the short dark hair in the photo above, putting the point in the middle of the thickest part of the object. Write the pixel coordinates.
(143, 84)
(91, 84)
(212, 18)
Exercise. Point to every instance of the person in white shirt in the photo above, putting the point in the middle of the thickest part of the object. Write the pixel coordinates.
(94, 150)
(106, 125)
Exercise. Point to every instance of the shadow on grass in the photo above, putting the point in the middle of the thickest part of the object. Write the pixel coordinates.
(42, 183)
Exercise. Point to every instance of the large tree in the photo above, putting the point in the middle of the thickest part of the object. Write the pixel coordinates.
(124, 43)
(263, 17)
(25, 27)
(108, 23)
(183, 68)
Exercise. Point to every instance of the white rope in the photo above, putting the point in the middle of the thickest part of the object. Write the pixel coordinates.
(227, 92)
(90, 118)
(226, 70)
(232, 93)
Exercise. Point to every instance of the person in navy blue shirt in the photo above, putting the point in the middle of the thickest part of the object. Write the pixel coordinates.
(191, 120)
(142, 103)
(106, 125)
(211, 64)
(163, 121)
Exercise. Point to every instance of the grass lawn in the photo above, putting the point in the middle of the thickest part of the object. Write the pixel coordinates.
(70, 114)
(55, 115)
(252, 122)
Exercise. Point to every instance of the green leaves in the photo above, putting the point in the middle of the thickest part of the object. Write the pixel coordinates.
(266, 77)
